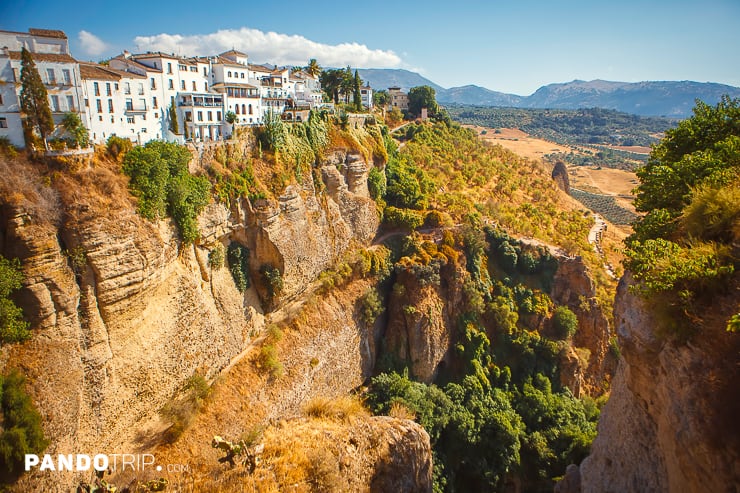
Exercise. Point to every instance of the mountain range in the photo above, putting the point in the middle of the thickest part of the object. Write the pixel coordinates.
(673, 99)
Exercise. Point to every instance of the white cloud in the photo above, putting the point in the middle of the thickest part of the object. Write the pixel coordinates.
(271, 47)
(91, 44)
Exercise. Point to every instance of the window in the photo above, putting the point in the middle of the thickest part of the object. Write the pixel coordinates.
(126, 88)
(112, 119)
(3, 123)
(1, 99)
(141, 88)
(169, 68)
(130, 119)
(194, 88)
(110, 106)
(182, 68)
(87, 103)
(16, 75)
(99, 104)
(250, 109)
(229, 73)
(71, 103)
(152, 83)
(154, 103)
(107, 89)
(100, 117)
(67, 77)
(193, 69)
(200, 116)
(51, 76)
(172, 86)
(182, 85)
(205, 73)
(55, 103)
(210, 116)
(96, 88)
(218, 115)
(115, 85)
(236, 107)
(205, 86)
(129, 104)
(143, 130)
(142, 104)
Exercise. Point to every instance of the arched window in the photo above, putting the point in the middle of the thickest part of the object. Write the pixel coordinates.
(236, 108)
(250, 109)
(244, 109)
(229, 73)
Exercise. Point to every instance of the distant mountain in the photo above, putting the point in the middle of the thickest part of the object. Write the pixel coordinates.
(478, 95)
(383, 78)
(673, 99)
(653, 98)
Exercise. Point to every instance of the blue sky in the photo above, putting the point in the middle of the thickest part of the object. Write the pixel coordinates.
(511, 46)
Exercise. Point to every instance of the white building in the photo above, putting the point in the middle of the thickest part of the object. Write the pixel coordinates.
(58, 70)
(230, 73)
(120, 103)
(366, 94)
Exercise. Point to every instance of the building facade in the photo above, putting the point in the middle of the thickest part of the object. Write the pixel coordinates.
(59, 72)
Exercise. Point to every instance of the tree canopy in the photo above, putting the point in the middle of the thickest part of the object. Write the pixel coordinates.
(423, 97)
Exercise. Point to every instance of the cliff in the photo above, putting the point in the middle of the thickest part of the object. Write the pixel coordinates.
(123, 313)
(670, 422)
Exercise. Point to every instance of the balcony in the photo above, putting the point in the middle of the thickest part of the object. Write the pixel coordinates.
(202, 101)
(135, 108)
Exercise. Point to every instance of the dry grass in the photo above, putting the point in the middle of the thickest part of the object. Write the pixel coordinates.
(345, 408)
(520, 142)
(27, 186)
(400, 411)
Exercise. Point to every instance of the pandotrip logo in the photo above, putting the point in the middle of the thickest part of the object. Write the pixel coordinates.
(100, 463)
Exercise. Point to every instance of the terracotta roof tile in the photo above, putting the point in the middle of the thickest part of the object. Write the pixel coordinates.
(44, 57)
(47, 33)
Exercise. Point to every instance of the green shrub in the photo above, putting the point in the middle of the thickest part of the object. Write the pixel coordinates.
(376, 183)
(12, 326)
(268, 361)
(118, 146)
(182, 410)
(217, 256)
(564, 322)
(402, 218)
(273, 281)
(20, 426)
(238, 257)
(371, 306)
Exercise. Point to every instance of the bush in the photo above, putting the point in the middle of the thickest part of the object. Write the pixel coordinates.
(217, 256)
(118, 146)
(564, 322)
(12, 326)
(273, 281)
(402, 218)
(20, 423)
(238, 257)
(376, 183)
(269, 362)
(182, 411)
(371, 306)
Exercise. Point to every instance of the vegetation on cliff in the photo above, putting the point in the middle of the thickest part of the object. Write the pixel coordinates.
(12, 326)
(684, 250)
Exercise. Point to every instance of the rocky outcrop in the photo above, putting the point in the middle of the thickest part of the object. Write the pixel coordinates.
(422, 318)
(573, 287)
(663, 428)
(307, 229)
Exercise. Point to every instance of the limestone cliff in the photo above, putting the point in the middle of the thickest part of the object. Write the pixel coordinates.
(670, 422)
(123, 313)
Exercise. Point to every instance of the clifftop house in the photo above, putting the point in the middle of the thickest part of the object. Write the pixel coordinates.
(131, 96)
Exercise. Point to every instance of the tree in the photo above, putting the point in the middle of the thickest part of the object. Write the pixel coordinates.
(313, 68)
(34, 100)
(381, 98)
(74, 127)
(331, 80)
(422, 97)
(230, 117)
(347, 84)
(356, 95)
(20, 426)
(565, 322)
(174, 126)
(12, 326)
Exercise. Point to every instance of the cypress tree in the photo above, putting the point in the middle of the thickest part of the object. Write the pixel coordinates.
(357, 99)
(174, 126)
(34, 100)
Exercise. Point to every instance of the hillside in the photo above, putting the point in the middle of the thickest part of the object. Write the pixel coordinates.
(670, 99)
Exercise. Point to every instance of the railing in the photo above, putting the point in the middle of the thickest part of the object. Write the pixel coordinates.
(135, 109)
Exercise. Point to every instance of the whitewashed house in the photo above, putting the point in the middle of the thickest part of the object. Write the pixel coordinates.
(366, 94)
(58, 70)
(120, 103)
(231, 77)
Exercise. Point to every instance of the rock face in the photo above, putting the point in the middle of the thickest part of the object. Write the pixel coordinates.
(421, 320)
(123, 313)
(574, 288)
(306, 230)
(663, 428)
